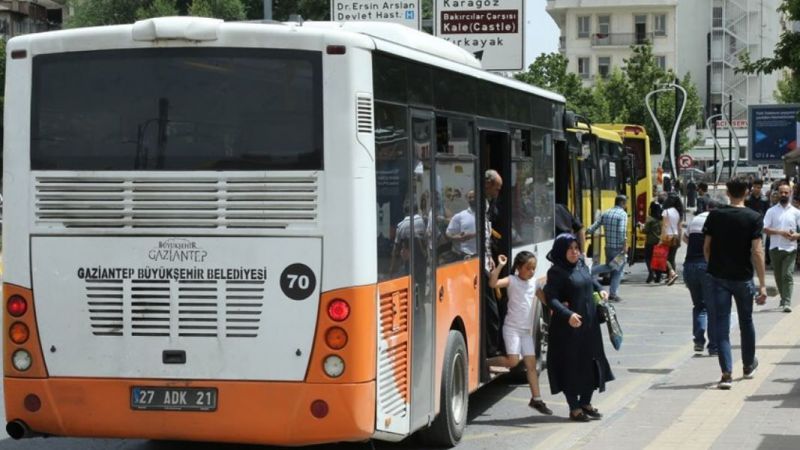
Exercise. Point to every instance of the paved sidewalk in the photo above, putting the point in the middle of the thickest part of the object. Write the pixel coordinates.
(685, 409)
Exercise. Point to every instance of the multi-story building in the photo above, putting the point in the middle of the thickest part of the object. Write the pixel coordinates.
(702, 37)
(29, 16)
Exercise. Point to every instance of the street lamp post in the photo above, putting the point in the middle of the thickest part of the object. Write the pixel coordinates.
(673, 139)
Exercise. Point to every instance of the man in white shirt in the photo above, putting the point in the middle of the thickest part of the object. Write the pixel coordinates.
(781, 223)
(461, 229)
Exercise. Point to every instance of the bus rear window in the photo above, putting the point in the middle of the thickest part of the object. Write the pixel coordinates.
(177, 109)
(636, 147)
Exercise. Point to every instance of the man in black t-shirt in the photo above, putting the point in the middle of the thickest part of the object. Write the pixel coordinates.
(733, 249)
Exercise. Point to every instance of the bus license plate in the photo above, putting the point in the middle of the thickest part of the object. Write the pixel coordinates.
(173, 399)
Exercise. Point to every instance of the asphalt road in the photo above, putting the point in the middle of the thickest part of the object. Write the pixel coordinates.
(657, 325)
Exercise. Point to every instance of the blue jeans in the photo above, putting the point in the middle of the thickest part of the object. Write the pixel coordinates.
(616, 275)
(743, 293)
(699, 284)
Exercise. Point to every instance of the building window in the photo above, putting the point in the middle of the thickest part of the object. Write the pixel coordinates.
(716, 17)
(660, 24)
(661, 62)
(640, 28)
(603, 26)
(604, 66)
(583, 67)
(584, 26)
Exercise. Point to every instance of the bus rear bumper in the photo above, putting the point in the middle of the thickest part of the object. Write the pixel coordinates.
(275, 413)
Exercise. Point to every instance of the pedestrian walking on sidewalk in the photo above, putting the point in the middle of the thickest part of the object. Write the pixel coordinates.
(671, 229)
(577, 363)
(521, 320)
(652, 233)
(695, 277)
(733, 249)
(781, 224)
(615, 225)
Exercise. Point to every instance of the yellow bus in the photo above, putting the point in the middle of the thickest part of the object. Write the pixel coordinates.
(594, 168)
(636, 144)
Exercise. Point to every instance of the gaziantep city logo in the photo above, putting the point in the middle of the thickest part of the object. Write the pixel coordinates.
(180, 250)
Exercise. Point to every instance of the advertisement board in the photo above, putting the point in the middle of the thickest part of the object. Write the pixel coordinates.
(489, 29)
(773, 132)
(404, 12)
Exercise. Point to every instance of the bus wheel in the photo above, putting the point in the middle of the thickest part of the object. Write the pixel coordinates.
(448, 427)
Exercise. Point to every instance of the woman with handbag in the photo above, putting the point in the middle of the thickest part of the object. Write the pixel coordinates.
(577, 363)
(671, 227)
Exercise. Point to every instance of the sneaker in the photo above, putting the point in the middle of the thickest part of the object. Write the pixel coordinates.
(698, 348)
(749, 371)
(787, 308)
(725, 382)
(614, 298)
(541, 407)
(712, 352)
(499, 369)
(671, 280)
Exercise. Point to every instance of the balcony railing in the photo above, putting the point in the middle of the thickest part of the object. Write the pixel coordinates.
(621, 39)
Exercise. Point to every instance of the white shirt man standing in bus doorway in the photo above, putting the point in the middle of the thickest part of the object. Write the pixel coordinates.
(461, 229)
(493, 182)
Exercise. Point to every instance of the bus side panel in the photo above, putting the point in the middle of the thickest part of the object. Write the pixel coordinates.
(457, 305)
(394, 353)
(273, 413)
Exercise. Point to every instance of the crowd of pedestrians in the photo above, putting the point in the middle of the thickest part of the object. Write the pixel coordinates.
(725, 251)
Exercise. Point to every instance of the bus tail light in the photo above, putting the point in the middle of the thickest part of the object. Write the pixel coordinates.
(333, 366)
(338, 310)
(319, 408)
(18, 333)
(32, 402)
(21, 360)
(633, 129)
(345, 348)
(336, 338)
(17, 306)
(21, 347)
(641, 208)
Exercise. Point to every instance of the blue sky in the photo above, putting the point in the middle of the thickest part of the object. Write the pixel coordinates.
(542, 32)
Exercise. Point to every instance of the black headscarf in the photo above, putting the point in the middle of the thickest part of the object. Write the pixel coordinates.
(558, 255)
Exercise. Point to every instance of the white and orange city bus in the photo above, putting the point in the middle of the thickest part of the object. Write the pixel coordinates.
(238, 231)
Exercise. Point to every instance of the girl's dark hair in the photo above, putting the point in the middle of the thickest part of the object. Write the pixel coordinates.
(522, 258)
(673, 201)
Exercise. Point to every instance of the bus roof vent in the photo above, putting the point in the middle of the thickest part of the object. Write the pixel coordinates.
(183, 28)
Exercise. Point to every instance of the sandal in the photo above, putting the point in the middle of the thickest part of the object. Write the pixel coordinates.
(579, 417)
(671, 280)
(592, 412)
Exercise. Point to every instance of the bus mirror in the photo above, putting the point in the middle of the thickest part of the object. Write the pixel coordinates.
(569, 120)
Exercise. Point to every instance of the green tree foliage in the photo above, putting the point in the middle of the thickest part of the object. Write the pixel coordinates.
(88, 13)
(222, 9)
(786, 57)
(619, 98)
(158, 8)
(549, 71)
(788, 90)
